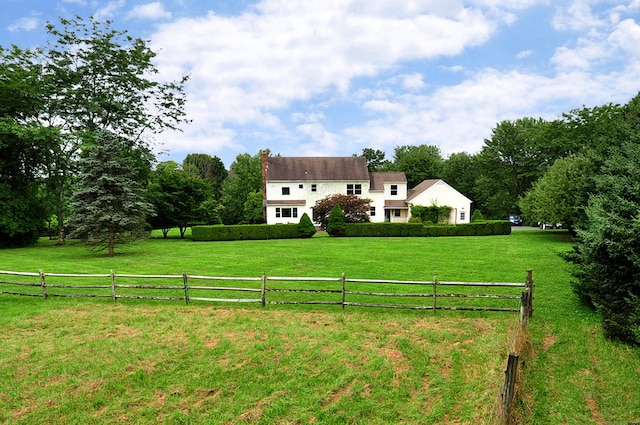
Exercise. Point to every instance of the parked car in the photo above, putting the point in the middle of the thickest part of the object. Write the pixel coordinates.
(515, 220)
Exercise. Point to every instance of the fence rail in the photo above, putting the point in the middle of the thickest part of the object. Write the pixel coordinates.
(266, 289)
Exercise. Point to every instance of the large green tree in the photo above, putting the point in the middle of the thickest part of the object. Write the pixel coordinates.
(517, 154)
(607, 255)
(178, 199)
(560, 196)
(209, 168)
(24, 147)
(98, 79)
(245, 177)
(108, 206)
(376, 160)
(419, 163)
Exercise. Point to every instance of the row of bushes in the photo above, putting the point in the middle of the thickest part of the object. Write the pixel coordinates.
(484, 228)
(292, 231)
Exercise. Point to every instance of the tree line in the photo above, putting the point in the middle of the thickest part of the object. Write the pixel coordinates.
(77, 118)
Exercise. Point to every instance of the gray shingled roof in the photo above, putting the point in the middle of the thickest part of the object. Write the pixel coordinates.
(317, 168)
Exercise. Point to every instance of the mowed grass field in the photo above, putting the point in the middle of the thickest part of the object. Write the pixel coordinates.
(93, 361)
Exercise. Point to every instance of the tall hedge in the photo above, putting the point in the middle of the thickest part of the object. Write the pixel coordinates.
(486, 228)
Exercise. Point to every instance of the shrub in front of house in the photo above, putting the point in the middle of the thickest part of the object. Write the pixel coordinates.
(477, 216)
(306, 227)
(336, 224)
(245, 232)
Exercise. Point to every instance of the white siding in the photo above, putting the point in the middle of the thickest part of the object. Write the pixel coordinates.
(442, 194)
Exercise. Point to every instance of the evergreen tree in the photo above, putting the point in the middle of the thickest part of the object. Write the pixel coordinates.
(336, 225)
(107, 208)
(607, 254)
(306, 227)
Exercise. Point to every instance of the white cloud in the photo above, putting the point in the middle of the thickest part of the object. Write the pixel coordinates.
(576, 16)
(152, 11)
(413, 81)
(286, 60)
(109, 10)
(524, 54)
(626, 36)
(25, 24)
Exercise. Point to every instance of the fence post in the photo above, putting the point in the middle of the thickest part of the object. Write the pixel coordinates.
(43, 284)
(530, 284)
(263, 295)
(344, 284)
(509, 386)
(113, 286)
(435, 284)
(186, 286)
(525, 302)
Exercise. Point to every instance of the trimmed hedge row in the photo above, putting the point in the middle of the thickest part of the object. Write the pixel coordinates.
(485, 228)
(292, 231)
(245, 232)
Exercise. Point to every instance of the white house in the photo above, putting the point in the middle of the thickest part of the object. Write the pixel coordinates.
(293, 185)
(437, 192)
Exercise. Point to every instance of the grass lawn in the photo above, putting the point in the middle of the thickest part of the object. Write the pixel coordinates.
(78, 361)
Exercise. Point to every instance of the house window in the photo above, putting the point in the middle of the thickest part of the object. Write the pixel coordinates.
(286, 191)
(396, 213)
(289, 212)
(372, 212)
(462, 215)
(300, 186)
(314, 188)
(277, 212)
(354, 189)
(394, 189)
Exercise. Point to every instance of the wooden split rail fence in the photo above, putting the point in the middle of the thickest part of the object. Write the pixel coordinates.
(332, 291)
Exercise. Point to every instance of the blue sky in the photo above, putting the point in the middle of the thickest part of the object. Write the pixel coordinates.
(331, 77)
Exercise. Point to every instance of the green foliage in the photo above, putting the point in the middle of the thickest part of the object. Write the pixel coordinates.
(336, 222)
(178, 199)
(107, 207)
(560, 196)
(460, 170)
(486, 228)
(607, 273)
(518, 153)
(477, 216)
(375, 160)
(253, 212)
(432, 214)
(24, 149)
(306, 227)
(245, 232)
(208, 168)
(419, 163)
(245, 177)
(354, 208)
